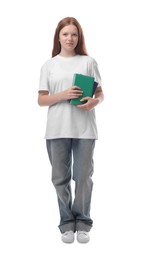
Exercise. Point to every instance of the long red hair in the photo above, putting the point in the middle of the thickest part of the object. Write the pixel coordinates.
(80, 48)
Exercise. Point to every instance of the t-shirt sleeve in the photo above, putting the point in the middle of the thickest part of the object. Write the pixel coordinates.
(96, 74)
(43, 82)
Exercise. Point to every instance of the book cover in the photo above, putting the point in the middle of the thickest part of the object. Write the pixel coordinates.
(87, 85)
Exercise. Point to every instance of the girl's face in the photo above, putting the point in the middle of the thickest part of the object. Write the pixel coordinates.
(68, 38)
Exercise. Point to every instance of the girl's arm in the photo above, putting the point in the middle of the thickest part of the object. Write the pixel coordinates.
(92, 102)
(44, 99)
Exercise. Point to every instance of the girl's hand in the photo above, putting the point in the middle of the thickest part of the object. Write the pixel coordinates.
(90, 104)
(70, 93)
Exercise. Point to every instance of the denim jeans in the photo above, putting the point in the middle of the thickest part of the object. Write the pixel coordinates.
(72, 159)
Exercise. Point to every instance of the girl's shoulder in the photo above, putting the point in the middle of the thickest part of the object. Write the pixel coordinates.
(89, 59)
(48, 63)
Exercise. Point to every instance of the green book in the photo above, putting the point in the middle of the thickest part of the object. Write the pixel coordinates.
(87, 85)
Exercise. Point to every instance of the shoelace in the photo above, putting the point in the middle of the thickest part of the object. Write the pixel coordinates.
(82, 233)
(68, 232)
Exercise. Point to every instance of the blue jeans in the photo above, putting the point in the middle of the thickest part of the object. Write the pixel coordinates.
(72, 158)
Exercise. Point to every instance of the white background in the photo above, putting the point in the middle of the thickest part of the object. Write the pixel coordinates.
(28, 205)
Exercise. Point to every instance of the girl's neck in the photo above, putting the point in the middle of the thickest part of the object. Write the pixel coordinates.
(67, 54)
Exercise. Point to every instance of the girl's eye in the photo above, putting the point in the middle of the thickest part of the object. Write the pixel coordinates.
(74, 34)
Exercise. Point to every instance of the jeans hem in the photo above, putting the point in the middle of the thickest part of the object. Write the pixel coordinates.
(67, 227)
(75, 226)
(83, 226)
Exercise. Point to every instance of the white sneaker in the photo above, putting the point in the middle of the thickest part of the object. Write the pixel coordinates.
(83, 237)
(68, 237)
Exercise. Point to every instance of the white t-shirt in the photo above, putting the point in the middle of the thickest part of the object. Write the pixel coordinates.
(65, 120)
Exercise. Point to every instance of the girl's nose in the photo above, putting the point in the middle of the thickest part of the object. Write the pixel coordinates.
(69, 37)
